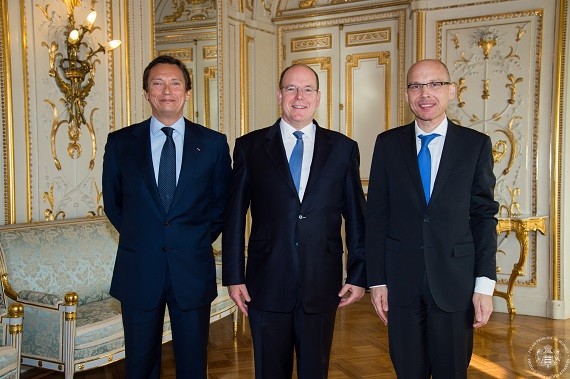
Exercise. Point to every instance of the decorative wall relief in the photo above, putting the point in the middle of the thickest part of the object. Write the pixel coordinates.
(191, 10)
(74, 73)
(494, 62)
(72, 107)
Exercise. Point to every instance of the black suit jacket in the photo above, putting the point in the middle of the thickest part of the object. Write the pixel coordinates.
(452, 240)
(294, 247)
(151, 240)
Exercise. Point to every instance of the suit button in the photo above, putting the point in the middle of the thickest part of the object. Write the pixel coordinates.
(426, 219)
(164, 249)
(166, 223)
(297, 244)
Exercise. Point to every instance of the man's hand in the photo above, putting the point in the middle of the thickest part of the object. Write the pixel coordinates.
(379, 296)
(239, 295)
(356, 294)
(483, 308)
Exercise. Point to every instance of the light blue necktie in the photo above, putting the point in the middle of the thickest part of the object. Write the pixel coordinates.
(424, 162)
(296, 159)
(167, 170)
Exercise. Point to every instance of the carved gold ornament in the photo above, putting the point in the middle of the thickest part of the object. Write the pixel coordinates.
(74, 74)
(486, 39)
(304, 4)
(512, 86)
(49, 214)
(192, 10)
(99, 211)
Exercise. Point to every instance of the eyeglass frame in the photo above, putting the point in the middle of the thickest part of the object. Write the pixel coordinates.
(429, 85)
(293, 90)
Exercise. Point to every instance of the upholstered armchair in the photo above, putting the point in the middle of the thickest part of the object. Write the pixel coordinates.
(61, 272)
(11, 340)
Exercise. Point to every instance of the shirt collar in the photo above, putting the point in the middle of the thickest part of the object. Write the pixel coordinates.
(287, 130)
(156, 125)
(441, 128)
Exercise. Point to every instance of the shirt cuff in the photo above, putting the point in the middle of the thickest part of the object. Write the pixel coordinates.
(484, 285)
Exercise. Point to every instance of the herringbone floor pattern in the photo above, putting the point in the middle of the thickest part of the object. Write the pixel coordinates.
(360, 349)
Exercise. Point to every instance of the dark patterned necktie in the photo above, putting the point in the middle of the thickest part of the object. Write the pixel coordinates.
(424, 162)
(167, 170)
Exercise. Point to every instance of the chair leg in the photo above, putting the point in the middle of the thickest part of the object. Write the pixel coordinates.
(70, 315)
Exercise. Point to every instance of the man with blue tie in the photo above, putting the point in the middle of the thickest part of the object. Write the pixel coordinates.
(431, 232)
(300, 181)
(165, 187)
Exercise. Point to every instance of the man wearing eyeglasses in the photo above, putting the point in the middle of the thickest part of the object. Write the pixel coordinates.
(431, 232)
(300, 181)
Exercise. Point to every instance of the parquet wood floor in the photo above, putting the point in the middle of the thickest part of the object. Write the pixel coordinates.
(360, 349)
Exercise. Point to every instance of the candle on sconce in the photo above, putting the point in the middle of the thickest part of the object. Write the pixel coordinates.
(113, 44)
(73, 37)
(90, 20)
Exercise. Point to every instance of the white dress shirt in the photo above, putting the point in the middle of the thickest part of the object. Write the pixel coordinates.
(289, 141)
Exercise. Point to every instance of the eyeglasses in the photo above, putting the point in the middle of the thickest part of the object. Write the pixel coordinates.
(432, 86)
(293, 90)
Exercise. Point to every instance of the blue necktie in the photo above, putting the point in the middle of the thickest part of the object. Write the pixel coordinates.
(296, 159)
(424, 162)
(167, 170)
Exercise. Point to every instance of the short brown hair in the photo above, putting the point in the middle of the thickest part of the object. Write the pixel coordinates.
(168, 60)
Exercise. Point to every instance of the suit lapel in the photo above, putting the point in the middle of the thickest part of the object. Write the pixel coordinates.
(321, 154)
(410, 155)
(450, 154)
(143, 158)
(276, 151)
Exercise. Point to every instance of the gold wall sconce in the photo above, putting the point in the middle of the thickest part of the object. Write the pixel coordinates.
(74, 73)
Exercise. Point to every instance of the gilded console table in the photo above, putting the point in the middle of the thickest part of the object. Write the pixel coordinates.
(522, 226)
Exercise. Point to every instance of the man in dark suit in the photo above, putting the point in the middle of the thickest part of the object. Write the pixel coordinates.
(165, 185)
(431, 232)
(300, 181)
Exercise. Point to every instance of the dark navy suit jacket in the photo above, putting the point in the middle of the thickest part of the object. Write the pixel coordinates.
(294, 247)
(150, 240)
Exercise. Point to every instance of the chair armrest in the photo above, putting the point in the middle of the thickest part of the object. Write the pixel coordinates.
(40, 299)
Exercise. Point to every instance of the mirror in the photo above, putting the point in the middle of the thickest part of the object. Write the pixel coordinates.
(187, 30)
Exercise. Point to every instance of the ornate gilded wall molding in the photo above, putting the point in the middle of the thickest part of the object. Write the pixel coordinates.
(221, 91)
(210, 52)
(27, 139)
(6, 117)
(368, 37)
(287, 10)
(559, 116)
(352, 62)
(209, 74)
(190, 10)
(325, 65)
(398, 15)
(186, 55)
(311, 43)
(190, 37)
(420, 25)
(110, 70)
(495, 61)
(245, 87)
